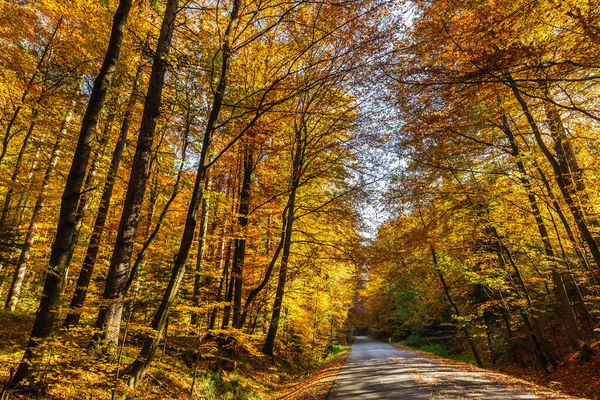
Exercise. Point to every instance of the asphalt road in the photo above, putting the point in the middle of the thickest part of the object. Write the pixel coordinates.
(376, 370)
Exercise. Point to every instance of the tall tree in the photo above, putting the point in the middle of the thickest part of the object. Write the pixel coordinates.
(108, 321)
(61, 248)
(140, 366)
(85, 274)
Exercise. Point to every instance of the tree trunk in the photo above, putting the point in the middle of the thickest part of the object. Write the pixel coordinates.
(213, 315)
(560, 180)
(254, 292)
(561, 215)
(297, 165)
(567, 160)
(109, 318)
(501, 249)
(24, 197)
(228, 283)
(16, 170)
(201, 252)
(570, 322)
(46, 314)
(139, 367)
(85, 275)
(22, 264)
(455, 307)
(239, 253)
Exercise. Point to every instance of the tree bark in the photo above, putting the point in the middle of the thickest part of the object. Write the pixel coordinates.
(228, 283)
(254, 292)
(239, 253)
(87, 269)
(224, 272)
(24, 197)
(21, 269)
(570, 322)
(297, 166)
(560, 180)
(108, 321)
(53, 285)
(141, 364)
(501, 249)
(201, 252)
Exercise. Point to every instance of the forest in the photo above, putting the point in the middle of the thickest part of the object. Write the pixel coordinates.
(210, 199)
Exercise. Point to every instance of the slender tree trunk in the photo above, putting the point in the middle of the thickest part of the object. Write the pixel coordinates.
(141, 257)
(580, 297)
(8, 135)
(21, 269)
(561, 215)
(213, 315)
(139, 367)
(297, 167)
(16, 170)
(85, 275)
(201, 252)
(229, 302)
(239, 253)
(567, 160)
(24, 197)
(560, 180)
(90, 179)
(53, 285)
(509, 334)
(455, 307)
(501, 249)
(109, 317)
(535, 330)
(228, 282)
(254, 292)
(88, 187)
(570, 322)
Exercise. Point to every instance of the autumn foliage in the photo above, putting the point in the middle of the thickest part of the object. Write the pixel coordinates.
(186, 188)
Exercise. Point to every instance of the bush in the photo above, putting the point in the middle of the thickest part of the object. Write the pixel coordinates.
(215, 387)
(437, 349)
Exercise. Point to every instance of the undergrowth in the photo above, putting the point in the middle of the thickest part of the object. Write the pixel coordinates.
(438, 349)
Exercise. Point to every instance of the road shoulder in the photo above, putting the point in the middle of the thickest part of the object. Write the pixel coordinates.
(316, 385)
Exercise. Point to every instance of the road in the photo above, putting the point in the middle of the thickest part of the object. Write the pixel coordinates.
(376, 370)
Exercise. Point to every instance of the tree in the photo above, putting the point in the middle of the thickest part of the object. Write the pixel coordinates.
(46, 314)
(109, 316)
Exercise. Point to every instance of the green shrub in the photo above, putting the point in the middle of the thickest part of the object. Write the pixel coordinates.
(215, 387)
(437, 349)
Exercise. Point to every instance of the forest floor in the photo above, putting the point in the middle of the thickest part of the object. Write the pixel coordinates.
(581, 380)
(70, 373)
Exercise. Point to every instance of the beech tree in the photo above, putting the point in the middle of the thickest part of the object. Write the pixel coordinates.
(53, 285)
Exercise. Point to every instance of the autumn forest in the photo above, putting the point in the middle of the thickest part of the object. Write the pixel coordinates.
(211, 199)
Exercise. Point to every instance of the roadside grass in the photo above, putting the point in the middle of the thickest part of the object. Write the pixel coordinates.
(437, 349)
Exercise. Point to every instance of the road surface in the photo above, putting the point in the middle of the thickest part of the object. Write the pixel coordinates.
(376, 370)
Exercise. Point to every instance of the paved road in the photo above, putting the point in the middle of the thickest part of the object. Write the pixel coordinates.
(376, 370)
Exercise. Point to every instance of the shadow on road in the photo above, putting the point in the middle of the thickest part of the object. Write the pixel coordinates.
(376, 370)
